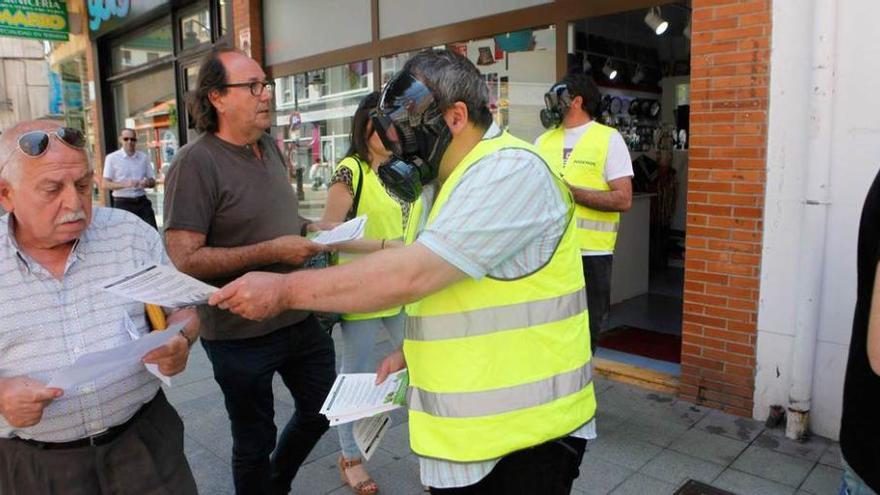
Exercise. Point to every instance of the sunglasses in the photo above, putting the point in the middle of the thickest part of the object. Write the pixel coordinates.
(133, 139)
(35, 143)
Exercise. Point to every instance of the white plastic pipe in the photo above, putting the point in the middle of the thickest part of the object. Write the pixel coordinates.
(811, 257)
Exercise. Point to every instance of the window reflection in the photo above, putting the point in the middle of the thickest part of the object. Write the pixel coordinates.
(152, 45)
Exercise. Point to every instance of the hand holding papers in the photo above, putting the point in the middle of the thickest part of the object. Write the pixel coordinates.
(356, 395)
(161, 285)
(348, 231)
(90, 367)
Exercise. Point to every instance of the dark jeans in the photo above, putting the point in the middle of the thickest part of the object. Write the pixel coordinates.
(546, 469)
(145, 459)
(140, 206)
(303, 355)
(597, 272)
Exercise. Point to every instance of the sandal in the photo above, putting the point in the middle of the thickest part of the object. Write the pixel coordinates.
(366, 487)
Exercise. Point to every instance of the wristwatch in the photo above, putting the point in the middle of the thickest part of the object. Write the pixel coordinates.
(189, 341)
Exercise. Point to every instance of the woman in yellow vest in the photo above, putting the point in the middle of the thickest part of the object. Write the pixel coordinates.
(355, 190)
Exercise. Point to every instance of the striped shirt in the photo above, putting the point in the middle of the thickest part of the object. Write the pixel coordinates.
(506, 220)
(46, 323)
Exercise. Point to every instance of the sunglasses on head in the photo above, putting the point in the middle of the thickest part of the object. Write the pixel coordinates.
(35, 143)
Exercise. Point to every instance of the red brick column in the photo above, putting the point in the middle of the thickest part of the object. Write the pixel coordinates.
(248, 15)
(727, 173)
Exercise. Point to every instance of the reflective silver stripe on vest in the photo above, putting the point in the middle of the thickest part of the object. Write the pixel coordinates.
(597, 226)
(495, 319)
(503, 400)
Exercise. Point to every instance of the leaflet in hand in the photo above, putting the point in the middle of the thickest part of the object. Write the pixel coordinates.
(368, 432)
(348, 231)
(356, 395)
(94, 365)
(160, 285)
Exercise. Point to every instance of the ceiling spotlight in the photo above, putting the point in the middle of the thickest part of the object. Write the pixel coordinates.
(655, 21)
(609, 70)
(639, 75)
(687, 30)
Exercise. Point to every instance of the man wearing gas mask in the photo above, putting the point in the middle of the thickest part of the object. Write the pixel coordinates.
(594, 162)
(501, 396)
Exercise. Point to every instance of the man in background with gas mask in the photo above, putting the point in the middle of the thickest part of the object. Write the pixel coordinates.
(594, 162)
(501, 397)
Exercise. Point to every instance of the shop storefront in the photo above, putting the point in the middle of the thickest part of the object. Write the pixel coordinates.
(643, 73)
(678, 96)
(148, 55)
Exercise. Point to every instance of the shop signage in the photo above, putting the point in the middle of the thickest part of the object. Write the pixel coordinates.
(102, 10)
(108, 15)
(37, 19)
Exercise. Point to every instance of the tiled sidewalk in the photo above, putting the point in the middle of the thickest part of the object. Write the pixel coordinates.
(649, 443)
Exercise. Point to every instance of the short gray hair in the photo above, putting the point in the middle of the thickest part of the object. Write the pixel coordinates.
(452, 78)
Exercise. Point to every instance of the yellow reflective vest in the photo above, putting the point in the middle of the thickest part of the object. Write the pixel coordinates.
(384, 218)
(585, 167)
(497, 366)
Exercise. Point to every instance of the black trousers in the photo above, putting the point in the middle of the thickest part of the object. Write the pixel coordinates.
(546, 469)
(304, 357)
(597, 272)
(140, 206)
(145, 459)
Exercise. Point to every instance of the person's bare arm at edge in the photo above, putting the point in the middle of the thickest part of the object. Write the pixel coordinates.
(380, 280)
(189, 254)
(619, 198)
(874, 325)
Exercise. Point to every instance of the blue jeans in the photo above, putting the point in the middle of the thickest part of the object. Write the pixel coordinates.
(851, 484)
(304, 357)
(358, 337)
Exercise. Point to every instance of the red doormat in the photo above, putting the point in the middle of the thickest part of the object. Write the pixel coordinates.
(654, 345)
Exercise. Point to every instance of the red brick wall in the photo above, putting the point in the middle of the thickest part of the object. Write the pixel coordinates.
(248, 14)
(730, 57)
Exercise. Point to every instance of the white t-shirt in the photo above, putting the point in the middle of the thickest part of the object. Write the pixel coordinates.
(120, 167)
(617, 163)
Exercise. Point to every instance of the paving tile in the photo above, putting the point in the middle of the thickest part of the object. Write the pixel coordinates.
(775, 439)
(622, 450)
(398, 477)
(639, 484)
(212, 473)
(179, 393)
(708, 446)
(676, 468)
(746, 484)
(832, 456)
(652, 430)
(599, 477)
(773, 466)
(320, 476)
(730, 426)
(396, 440)
(822, 480)
(326, 445)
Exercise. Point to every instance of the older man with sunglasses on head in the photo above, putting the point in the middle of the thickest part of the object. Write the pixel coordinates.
(117, 434)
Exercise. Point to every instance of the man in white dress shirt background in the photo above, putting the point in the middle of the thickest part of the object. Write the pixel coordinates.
(127, 172)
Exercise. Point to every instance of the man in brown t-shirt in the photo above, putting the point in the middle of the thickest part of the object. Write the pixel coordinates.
(230, 209)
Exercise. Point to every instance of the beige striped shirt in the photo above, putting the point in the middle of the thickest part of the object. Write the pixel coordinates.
(46, 323)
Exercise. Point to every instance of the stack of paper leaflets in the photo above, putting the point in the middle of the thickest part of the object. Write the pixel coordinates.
(356, 395)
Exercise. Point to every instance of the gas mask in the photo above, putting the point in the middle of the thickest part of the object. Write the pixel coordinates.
(556, 102)
(411, 126)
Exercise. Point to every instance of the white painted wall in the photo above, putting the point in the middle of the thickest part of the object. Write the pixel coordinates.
(398, 17)
(299, 28)
(24, 81)
(855, 128)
